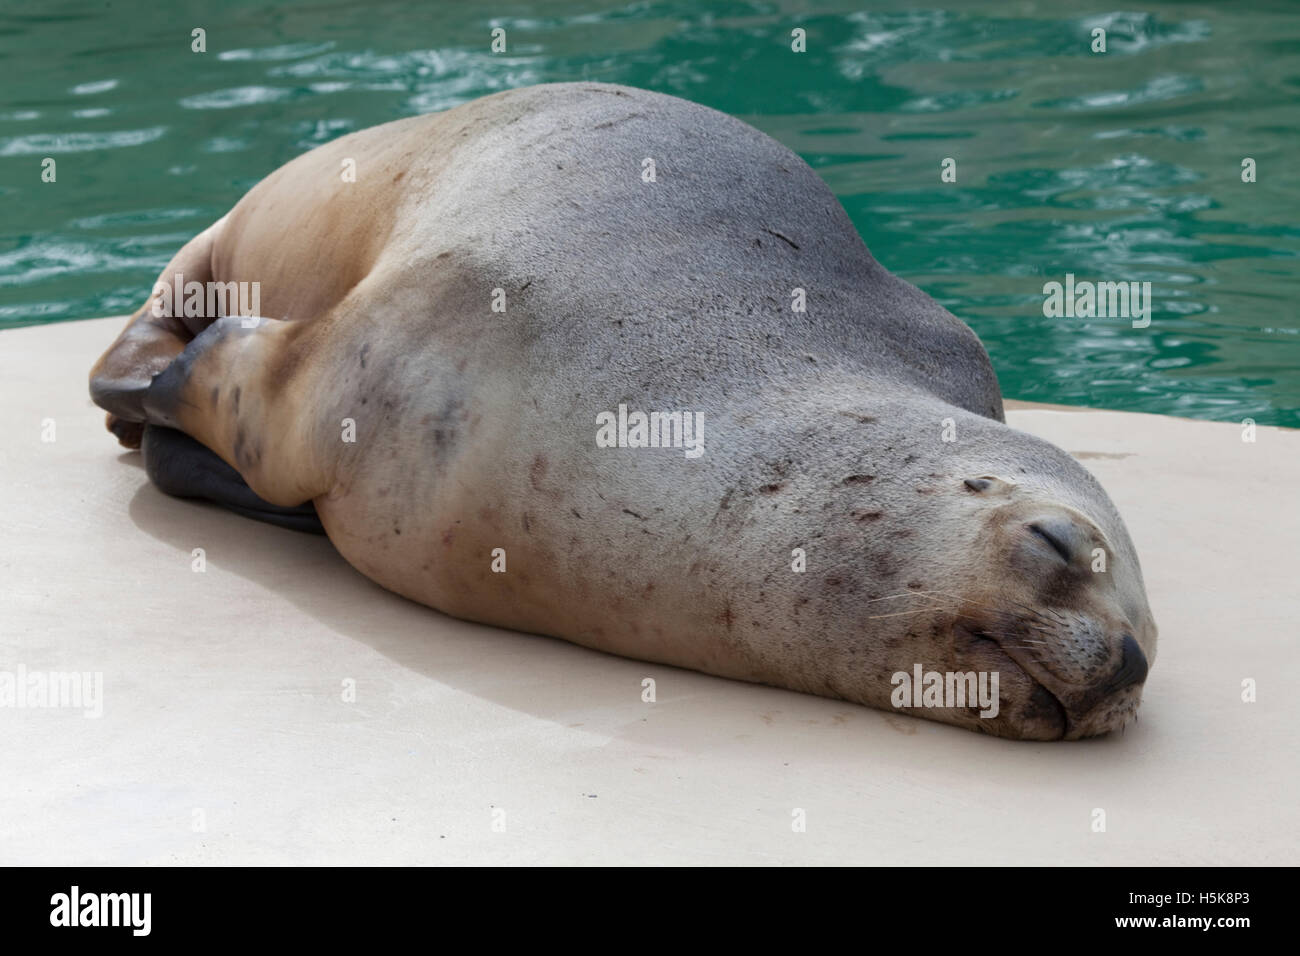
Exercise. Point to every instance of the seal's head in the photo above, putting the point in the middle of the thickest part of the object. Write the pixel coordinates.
(1039, 582)
(1060, 606)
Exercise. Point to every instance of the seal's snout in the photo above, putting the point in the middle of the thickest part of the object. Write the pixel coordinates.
(1133, 665)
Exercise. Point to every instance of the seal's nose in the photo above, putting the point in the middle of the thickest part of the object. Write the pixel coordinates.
(1063, 535)
(1132, 668)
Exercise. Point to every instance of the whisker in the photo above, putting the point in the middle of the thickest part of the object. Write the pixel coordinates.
(915, 610)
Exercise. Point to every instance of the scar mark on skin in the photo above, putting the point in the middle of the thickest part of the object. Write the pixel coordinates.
(858, 479)
(786, 239)
(634, 514)
(537, 472)
(614, 122)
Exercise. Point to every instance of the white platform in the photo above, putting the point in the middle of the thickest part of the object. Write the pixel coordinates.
(223, 691)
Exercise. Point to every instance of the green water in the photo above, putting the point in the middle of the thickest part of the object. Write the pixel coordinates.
(1117, 167)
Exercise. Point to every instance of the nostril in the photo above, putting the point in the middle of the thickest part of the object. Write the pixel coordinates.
(1133, 665)
(1057, 534)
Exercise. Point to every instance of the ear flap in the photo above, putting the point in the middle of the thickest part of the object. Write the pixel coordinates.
(989, 485)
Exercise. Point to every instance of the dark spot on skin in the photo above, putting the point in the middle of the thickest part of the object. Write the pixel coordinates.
(442, 255)
(915, 586)
(216, 393)
(902, 533)
(772, 488)
(537, 472)
(834, 582)
(868, 515)
(726, 616)
(909, 459)
(235, 400)
(397, 530)
(633, 514)
(886, 565)
(528, 527)
(858, 480)
(925, 491)
(362, 355)
(861, 419)
(399, 176)
(574, 512)
(525, 285)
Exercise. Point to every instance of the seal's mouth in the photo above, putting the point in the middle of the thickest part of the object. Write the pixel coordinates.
(1044, 706)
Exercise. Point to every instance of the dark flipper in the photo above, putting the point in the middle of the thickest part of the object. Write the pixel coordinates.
(185, 468)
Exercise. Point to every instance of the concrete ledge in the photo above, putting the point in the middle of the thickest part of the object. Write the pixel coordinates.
(223, 691)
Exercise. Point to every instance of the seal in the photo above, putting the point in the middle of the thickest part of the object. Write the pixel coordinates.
(599, 363)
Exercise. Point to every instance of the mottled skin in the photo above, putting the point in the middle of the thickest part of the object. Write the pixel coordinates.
(475, 429)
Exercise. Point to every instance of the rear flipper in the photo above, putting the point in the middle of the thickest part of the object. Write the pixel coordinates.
(150, 341)
(184, 468)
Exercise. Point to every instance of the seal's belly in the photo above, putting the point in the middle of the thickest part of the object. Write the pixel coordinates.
(491, 510)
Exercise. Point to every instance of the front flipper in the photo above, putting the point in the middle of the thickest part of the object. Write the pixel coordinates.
(183, 468)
